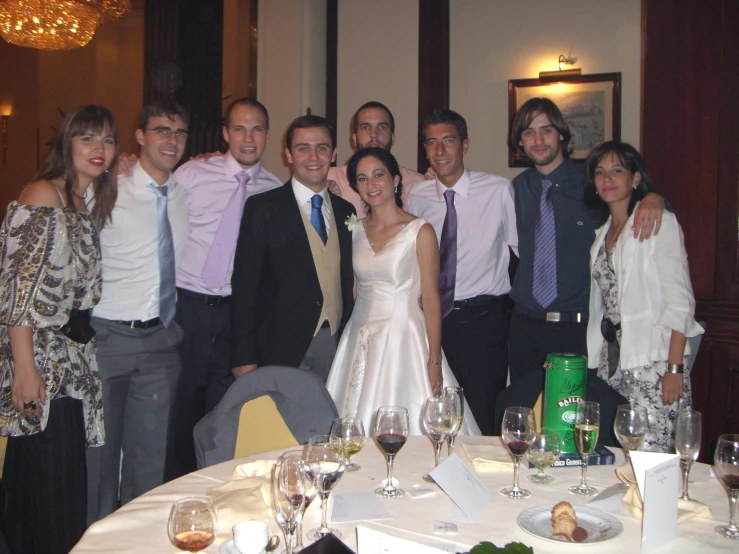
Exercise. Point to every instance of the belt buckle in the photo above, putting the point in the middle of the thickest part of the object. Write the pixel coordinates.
(132, 324)
(554, 317)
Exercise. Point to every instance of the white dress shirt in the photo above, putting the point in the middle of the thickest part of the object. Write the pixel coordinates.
(304, 195)
(486, 227)
(130, 247)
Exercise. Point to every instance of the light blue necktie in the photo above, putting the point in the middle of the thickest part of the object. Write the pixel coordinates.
(167, 282)
(316, 217)
(545, 249)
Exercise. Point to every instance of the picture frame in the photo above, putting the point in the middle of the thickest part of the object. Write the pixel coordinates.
(591, 104)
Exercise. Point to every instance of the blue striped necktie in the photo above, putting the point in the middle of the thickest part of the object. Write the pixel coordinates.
(167, 282)
(316, 217)
(545, 249)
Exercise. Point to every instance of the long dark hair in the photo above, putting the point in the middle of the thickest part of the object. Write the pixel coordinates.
(386, 159)
(60, 165)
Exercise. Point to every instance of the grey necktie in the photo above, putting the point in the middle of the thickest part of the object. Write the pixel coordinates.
(167, 283)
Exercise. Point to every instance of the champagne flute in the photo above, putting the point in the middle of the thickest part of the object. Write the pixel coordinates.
(351, 430)
(630, 426)
(726, 466)
(288, 496)
(687, 443)
(192, 524)
(438, 423)
(543, 452)
(519, 431)
(390, 433)
(310, 495)
(324, 465)
(456, 397)
(587, 427)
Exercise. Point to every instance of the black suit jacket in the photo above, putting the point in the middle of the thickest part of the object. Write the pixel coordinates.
(276, 298)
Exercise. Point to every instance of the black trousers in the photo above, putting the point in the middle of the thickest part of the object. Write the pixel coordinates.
(204, 379)
(46, 480)
(531, 340)
(475, 342)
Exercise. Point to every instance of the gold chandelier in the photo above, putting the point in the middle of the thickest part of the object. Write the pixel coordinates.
(56, 24)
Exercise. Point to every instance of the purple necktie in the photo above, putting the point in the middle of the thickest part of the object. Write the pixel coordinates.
(545, 249)
(224, 243)
(448, 256)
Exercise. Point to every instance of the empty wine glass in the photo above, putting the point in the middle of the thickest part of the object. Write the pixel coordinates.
(390, 433)
(455, 395)
(726, 466)
(543, 452)
(687, 442)
(587, 427)
(351, 431)
(324, 465)
(310, 495)
(438, 423)
(630, 426)
(192, 524)
(518, 432)
(288, 496)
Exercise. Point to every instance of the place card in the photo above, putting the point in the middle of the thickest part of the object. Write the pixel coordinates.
(357, 506)
(462, 486)
(370, 541)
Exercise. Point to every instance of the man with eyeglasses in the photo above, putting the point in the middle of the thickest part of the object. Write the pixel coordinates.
(137, 337)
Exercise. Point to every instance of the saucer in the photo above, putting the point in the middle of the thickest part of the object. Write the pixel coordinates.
(229, 547)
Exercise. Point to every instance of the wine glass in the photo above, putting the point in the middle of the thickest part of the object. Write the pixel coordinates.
(390, 433)
(687, 442)
(288, 496)
(587, 427)
(324, 465)
(438, 421)
(519, 431)
(543, 452)
(310, 495)
(192, 524)
(456, 398)
(351, 430)
(726, 466)
(630, 426)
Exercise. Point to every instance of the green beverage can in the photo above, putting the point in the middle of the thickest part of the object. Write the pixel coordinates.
(564, 389)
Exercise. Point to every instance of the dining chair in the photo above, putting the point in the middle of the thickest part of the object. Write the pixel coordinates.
(261, 428)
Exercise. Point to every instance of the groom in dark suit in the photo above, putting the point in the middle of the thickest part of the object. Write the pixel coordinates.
(292, 279)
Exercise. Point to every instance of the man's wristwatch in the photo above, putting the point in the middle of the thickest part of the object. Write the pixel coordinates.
(675, 369)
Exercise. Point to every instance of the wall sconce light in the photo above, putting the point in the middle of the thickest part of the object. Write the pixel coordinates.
(5, 111)
(555, 76)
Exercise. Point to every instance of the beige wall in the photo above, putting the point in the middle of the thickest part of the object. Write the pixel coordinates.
(378, 60)
(492, 41)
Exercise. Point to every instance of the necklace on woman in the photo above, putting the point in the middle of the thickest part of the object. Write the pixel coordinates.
(615, 235)
(80, 196)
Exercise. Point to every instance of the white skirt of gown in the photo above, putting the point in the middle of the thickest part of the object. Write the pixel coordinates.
(382, 356)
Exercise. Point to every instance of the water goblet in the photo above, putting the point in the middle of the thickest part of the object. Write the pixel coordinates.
(310, 495)
(455, 396)
(726, 466)
(438, 424)
(587, 427)
(288, 496)
(390, 433)
(687, 442)
(543, 452)
(192, 524)
(324, 464)
(518, 432)
(630, 426)
(351, 431)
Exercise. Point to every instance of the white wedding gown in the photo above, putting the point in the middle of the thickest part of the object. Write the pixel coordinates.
(381, 359)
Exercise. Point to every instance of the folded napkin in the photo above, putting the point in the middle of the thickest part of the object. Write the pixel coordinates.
(686, 509)
(488, 457)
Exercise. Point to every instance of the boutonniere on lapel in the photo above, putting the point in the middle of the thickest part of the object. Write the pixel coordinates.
(351, 222)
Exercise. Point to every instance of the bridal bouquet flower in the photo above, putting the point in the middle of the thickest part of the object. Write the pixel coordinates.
(351, 222)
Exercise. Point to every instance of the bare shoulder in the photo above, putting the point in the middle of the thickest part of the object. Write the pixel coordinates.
(41, 193)
(426, 233)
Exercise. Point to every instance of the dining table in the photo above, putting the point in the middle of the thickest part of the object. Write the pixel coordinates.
(141, 525)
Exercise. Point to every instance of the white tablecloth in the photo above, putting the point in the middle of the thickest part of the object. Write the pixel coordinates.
(141, 525)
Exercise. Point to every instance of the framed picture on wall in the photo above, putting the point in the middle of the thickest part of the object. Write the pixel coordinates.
(591, 105)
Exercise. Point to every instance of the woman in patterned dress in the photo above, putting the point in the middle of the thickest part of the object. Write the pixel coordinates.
(641, 300)
(50, 397)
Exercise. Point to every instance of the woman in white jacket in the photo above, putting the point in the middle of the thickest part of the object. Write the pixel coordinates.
(641, 300)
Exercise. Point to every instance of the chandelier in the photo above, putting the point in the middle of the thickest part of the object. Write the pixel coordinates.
(56, 24)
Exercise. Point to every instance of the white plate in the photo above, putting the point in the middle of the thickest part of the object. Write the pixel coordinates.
(599, 525)
(229, 547)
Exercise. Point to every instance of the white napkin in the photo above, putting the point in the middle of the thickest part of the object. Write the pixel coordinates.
(488, 457)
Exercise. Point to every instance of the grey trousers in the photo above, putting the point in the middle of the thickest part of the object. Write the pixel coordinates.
(139, 370)
(320, 354)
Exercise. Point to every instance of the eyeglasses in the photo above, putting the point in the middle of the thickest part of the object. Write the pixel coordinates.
(166, 132)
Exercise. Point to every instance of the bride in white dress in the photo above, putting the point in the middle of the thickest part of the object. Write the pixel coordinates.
(390, 351)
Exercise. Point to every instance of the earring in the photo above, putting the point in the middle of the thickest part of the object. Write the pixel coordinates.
(597, 193)
(396, 190)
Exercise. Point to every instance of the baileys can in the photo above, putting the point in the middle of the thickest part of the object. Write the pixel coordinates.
(564, 389)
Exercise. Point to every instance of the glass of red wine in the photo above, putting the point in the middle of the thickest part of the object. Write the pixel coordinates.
(519, 431)
(726, 466)
(310, 495)
(192, 524)
(390, 433)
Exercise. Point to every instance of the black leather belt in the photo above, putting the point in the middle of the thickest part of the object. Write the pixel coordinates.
(141, 324)
(477, 301)
(553, 317)
(208, 299)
